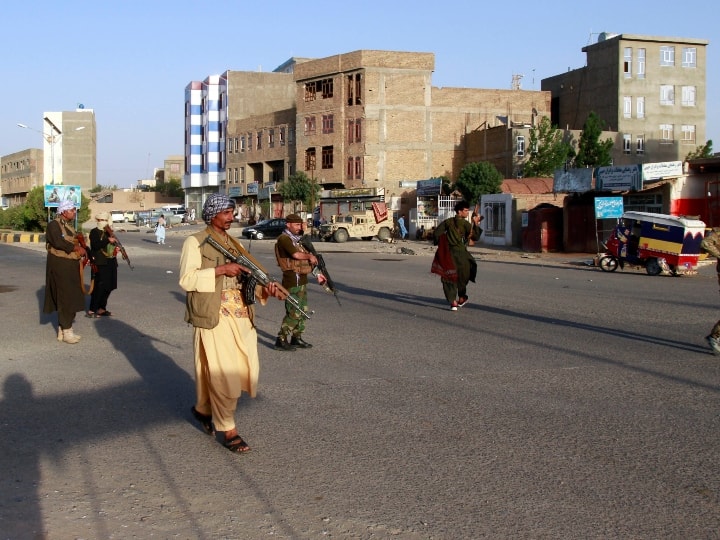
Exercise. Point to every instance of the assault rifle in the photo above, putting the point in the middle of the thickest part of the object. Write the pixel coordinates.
(120, 247)
(329, 285)
(256, 274)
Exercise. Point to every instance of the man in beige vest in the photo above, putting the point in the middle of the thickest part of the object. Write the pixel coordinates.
(224, 339)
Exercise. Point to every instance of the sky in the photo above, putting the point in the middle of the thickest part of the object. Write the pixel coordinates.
(130, 61)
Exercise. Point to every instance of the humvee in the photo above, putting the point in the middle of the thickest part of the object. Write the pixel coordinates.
(355, 225)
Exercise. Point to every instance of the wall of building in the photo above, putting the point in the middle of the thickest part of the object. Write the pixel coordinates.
(19, 173)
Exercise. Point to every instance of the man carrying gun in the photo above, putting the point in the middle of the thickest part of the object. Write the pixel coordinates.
(296, 262)
(224, 338)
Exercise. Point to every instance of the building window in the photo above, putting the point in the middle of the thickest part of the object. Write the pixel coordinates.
(666, 133)
(242, 143)
(310, 91)
(327, 123)
(259, 140)
(627, 107)
(309, 125)
(350, 168)
(242, 175)
(358, 168)
(249, 141)
(640, 107)
(640, 144)
(291, 135)
(282, 136)
(354, 130)
(667, 94)
(688, 96)
(667, 55)
(327, 157)
(627, 64)
(520, 143)
(353, 89)
(627, 143)
(688, 134)
(641, 63)
(689, 57)
(310, 159)
(327, 88)
(271, 138)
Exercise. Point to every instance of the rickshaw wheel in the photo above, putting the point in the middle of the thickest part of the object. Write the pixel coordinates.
(608, 263)
(652, 267)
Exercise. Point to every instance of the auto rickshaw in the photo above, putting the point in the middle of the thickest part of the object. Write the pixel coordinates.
(656, 242)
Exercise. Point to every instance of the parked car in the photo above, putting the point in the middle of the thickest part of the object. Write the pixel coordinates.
(268, 228)
(117, 216)
(130, 216)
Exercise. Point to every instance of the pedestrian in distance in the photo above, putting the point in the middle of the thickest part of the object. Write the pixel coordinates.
(160, 229)
(103, 253)
(63, 285)
(296, 263)
(711, 244)
(224, 335)
(402, 227)
(453, 262)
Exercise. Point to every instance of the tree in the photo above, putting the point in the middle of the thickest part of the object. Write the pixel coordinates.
(591, 151)
(548, 151)
(32, 215)
(171, 188)
(299, 188)
(705, 151)
(475, 179)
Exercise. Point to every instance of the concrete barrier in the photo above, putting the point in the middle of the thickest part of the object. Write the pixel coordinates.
(23, 237)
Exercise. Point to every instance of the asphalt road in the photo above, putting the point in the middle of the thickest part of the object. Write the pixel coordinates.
(563, 402)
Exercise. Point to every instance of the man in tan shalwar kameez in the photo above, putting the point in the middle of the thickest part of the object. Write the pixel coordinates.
(225, 340)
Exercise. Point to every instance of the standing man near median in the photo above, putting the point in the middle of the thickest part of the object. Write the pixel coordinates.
(224, 339)
(296, 263)
(453, 262)
(63, 289)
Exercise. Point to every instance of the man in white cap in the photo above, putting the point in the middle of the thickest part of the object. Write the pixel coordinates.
(224, 339)
(102, 247)
(63, 287)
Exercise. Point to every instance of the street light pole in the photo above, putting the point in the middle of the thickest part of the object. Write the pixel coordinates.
(51, 140)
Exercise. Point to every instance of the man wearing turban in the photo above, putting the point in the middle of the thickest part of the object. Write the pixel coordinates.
(224, 335)
(63, 288)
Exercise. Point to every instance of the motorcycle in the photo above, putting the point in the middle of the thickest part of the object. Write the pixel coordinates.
(657, 242)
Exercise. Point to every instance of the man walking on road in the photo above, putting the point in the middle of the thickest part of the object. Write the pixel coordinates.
(225, 339)
(453, 263)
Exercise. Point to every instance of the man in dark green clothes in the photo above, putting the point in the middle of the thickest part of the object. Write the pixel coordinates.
(453, 262)
(296, 263)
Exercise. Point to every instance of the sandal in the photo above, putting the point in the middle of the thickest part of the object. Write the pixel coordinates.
(205, 421)
(104, 314)
(236, 444)
(91, 315)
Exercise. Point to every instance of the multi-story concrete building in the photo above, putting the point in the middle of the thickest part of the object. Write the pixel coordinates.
(69, 155)
(19, 173)
(221, 140)
(649, 90)
(365, 125)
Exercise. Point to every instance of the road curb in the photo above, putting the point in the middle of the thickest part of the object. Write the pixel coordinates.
(23, 237)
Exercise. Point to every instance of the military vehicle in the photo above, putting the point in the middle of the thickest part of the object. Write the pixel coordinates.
(356, 225)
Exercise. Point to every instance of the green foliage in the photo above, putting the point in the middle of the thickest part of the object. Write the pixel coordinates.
(477, 179)
(171, 188)
(299, 188)
(705, 151)
(32, 216)
(591, 151)
(548, 151)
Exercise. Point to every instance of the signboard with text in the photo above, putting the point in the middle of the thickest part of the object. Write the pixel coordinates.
(618, 178)
(608, 207)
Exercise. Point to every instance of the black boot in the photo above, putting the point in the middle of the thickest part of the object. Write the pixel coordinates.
(281, 344)
(298, 342)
